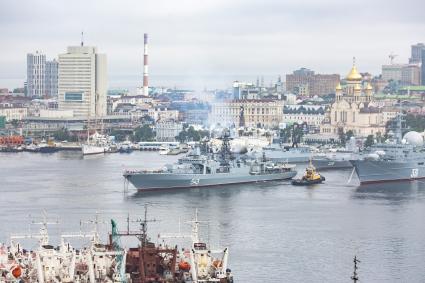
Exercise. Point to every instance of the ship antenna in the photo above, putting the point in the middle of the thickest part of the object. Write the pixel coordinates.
(82, 39)
(355, 277)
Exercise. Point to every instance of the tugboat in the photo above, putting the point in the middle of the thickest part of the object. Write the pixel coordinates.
(311, 177)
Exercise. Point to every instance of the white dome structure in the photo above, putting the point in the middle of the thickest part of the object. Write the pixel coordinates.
(414, 138)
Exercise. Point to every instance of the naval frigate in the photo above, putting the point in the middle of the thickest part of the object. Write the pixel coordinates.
(202, 169)
(396, 160)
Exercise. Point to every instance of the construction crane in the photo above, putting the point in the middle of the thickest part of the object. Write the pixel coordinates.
(392, 57)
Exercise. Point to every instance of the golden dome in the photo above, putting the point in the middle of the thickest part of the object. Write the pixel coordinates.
(338, 87)
(369, 87)
(354, 75)
(357, 87)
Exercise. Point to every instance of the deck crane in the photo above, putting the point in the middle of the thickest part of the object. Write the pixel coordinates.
(116, 245)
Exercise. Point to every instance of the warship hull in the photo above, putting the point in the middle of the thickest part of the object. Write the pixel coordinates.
(327, 164)
(291, 158)
(156, 181)
(374, 171)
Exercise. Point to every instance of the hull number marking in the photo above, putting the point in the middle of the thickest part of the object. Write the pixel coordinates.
(414, 173)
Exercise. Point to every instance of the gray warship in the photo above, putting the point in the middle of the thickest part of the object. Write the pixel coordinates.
(202, 168)
(400, 159)
(333, 161)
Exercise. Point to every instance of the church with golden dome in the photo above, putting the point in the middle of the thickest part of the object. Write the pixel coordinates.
(354, 108)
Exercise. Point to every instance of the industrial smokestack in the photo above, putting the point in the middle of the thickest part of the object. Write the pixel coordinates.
(145, 66)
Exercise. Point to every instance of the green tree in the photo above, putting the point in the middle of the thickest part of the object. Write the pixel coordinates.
(349, 134)
(64, 135)
(415, 122)
(143, 133)
(190, 134)
(119, 135)
(342, 136)
(369, 141)
(15, 123)
(379, 137)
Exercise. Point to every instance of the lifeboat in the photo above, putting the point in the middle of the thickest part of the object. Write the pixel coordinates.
(16, 271)
(184, 265)
(217, 263)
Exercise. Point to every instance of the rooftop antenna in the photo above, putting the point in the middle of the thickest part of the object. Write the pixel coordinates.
(82, 39)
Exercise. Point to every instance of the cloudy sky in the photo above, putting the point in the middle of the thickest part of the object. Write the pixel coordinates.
(212, 42)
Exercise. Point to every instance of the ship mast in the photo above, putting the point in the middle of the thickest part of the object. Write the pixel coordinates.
(355, 276)
(225, 153)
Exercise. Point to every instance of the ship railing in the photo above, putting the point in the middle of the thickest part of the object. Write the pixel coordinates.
(144, 171)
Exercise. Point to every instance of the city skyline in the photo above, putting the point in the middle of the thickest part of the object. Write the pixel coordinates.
(190, 42)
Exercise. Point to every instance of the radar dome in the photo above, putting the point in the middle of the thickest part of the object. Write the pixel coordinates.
(414, 138)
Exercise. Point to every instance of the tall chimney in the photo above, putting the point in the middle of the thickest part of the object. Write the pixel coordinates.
(145, 66)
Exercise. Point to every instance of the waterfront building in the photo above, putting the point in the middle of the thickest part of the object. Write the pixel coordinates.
(195, 116)
(243, 90)
(291, 98)
(265, 113)
(305, 82)
(36, 64)
(82, 85)
(167, 130)
(159, 113)
(416, 54)
(406, 74)
(354, 109)
(136, 99)
(312, 115)
(51, 78)
(11, 112)
(42, 125)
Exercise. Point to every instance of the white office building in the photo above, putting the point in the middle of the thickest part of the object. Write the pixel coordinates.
(82, 85)
(168, 130)
(36, 64)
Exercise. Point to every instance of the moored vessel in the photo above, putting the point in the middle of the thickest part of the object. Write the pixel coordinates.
(206, 169)
(398, 159)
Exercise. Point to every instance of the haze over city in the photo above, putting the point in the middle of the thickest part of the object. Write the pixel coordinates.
(210, 43)
(210, 141)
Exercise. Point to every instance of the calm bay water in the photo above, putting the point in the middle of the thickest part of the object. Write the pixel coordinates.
(275, 232)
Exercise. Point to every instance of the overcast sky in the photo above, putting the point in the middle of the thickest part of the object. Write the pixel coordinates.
(212, 41)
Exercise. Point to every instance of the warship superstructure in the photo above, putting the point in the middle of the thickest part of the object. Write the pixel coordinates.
(201, 169)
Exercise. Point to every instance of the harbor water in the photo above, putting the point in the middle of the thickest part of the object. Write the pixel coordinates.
(275, 232)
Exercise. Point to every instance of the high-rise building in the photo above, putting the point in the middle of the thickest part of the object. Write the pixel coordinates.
(82, 84)
(406, 74)
(423, 68)
(392, 72)
(317, 84)
(51, 78)
(36, 64)
(416, 56)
